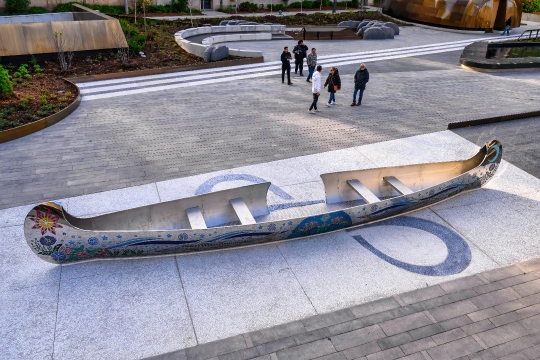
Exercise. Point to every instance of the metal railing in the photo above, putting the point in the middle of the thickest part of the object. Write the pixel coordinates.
(532, 34)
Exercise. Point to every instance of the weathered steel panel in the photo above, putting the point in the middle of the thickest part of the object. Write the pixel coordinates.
(95, 31)
(68, 35)
(463, 14)
(12, 41)
(39, 38)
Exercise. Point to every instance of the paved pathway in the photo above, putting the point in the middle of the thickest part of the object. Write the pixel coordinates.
(144, 84)
(519, 136)
(137, 139)
(490, 315)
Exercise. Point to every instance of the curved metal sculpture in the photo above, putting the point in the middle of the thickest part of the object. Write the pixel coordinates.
(459, 14)
(203, 222)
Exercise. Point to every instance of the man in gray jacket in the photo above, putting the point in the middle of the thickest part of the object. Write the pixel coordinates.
(311, 63)
(360, 80)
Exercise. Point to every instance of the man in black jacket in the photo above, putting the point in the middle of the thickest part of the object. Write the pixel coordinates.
(286, 65)
(360, 80)
(300, 52)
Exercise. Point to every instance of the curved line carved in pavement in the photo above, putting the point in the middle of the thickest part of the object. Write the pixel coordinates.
(459, 253)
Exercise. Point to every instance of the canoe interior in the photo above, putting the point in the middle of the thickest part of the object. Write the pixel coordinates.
(215, 207)
(415, 177)
(217, 210)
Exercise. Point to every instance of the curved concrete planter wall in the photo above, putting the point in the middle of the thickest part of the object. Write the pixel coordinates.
(236, 37)
(182, 40)
(18, 132)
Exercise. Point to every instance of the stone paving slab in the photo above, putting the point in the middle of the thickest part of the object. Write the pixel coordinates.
(413, 334)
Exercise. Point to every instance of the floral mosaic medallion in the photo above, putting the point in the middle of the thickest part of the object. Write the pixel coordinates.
(46, 221)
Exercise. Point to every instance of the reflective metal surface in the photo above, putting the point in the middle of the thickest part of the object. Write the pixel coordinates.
(459, 14)
(89, 30)
(164, 228)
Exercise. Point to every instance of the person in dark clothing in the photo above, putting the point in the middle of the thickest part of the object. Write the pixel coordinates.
(300, 52)
(507, 28)
(333, 81)
(286, 65)
(360, 80)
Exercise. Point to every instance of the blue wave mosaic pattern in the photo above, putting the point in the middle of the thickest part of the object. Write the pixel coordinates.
(459, 253)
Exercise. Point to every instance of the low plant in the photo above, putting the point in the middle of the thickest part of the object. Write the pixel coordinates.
(6, 86)
(43, 100)
(38, 68)
(27, 76)
(5, 112)
(248, 6)
(23, 104)
(106, 9)
(5, 124)
(228, 10)
(16, 75)
(276, 7)
(23, 69)
(14, 7)
(45, 109)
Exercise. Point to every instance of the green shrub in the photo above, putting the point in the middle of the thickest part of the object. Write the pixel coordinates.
(6, 87)
(4, 125)
(14, 7)
(17, 74)
(248, 6)
(28, 76)
(531, 6)
(305, 5)
(228, 10)
(137, 42)
(277, 7)
(38, 68)
(37, 10)
(106, 9)
(23, 69)
(179, 6)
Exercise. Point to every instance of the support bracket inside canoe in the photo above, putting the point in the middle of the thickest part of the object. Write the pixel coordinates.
(242, 211)
(398, 185)
(195, 217)
(363, 191)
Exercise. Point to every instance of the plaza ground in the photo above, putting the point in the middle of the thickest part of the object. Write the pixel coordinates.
(120, 152)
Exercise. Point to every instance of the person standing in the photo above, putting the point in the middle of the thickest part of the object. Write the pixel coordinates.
(311, 63)
(286, 65)
(316, 89)
(333, 82)
(300, 52)
(507, 27)
(360, 80)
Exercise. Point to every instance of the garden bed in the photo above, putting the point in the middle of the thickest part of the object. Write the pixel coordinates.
(35, 96)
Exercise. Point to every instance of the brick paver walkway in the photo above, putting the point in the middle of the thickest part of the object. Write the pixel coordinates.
(132, 140)
(490, 315)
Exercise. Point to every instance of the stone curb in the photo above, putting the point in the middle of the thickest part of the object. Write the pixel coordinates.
(491, 120)
(21, 131)
(123, 75)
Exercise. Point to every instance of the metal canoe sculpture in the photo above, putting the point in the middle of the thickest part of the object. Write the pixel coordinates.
(204, 222)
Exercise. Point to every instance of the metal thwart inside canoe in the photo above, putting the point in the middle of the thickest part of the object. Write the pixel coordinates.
(203, 222)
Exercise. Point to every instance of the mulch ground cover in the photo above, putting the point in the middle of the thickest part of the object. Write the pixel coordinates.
(35, 96)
